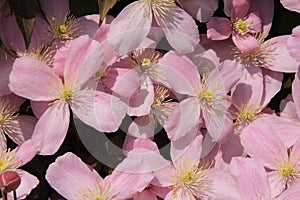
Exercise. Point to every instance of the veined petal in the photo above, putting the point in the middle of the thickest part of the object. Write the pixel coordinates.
(239, 9)
(32, 79)
(130, 27)
(182, 75)
(219, 28)
(4, 78)
(246, 43)
(296, 93)
(180, 29)
(292, 5)
(70, 169)
(268, 148)
(25, 152)
(28, 182)
(292, 44)
(51, 129)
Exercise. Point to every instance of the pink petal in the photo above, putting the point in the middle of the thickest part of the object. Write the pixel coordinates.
(201, 10)
(83, 61)
(227, 5)
(6, 67)
(39, 107)
(180, 72)
(292, 5)
(268, 148)
(89, 24)
(286, 129)
(131, 143)
(180, 194)
(296, 93)
(24, 127)
(295, 153)
(232, 148)
(160, 191)
(25, 152)
(28, 182)
(251, 177)
(183, 118)
(55, 9)
(51, 129)
(34, 80)
(266, 12)
(146, 194)
(288, 107)
(219, 28)
(293, 192)
(239, 9)
(70, 169)
(142, 127)
(246, 43)
(280, 55)
(292, 42)
(130, 27)
(129, 177)
(254, 20)
(180, 29)
(272, 85)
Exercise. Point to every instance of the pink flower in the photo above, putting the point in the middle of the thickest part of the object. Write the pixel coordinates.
(242, 26)
(12, 160)
(133, 24)
(73, 179)
(17, 127)
(33, 79)
(282, 162)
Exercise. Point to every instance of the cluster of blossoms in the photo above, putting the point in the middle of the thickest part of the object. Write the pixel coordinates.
(150, 74)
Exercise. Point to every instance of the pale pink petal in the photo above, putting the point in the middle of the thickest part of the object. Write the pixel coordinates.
(28, 183)
(183, 118)
(272, 85)
(239, 9)
(130, 27)
(251, 178)
(292, 193)
(101, 33)
(227, 5)
(142, 127)
(219, 28)
(34, 80)
(70, 169)
(180, 29)
(129, 177)
(292, 5)
(295, 153)
(131, 143)
(25, 152)
(292, 44)
(180, 194)
(246, 43)
(39, 107)
(180, 72)
(268, 146)
(201, 10)
(110, 111)
(140, 102)
(83, 61)
(280, 55)
(14, 101)
(266, 12)
(159, 191)
(286, 129)
(277, 185)
(24, 127)
(89, 24)
(51, 129)
(249, 89)
(255, 22)
(231, 72)
(223, 185)
(146, 194)
(296, 93)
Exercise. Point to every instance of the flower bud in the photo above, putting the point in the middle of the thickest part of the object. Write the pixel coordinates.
(9, 181)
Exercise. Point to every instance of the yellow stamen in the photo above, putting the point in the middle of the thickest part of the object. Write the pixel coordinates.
(42, 54)
(66, 93)
(161, 7)
(288, 173)
(241, 27)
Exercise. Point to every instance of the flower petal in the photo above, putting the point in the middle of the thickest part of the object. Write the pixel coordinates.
(219, 28)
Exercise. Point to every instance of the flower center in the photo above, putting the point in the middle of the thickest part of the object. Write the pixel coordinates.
(205, 95)
(288, 173)
(1, 118)
(66, 93)
(3, 164)
(161, 7)
(62, 29)
(240, 26)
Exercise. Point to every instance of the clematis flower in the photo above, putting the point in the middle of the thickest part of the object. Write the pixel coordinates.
(86, 103)
(252, 181)
(133, 24)
(124, 181)
(17, 127)
(13, 160)
(241, 26)
(282, 162)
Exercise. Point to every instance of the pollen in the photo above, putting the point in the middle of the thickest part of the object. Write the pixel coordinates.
(240, 26)
(42, 54)
(288, 173)
(66, 93)
(98, 192)
(3, 164)
(205, 95)
(8, 114)
(9, 160)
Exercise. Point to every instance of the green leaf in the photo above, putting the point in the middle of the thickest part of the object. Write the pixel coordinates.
(104, 7)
